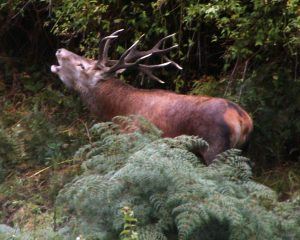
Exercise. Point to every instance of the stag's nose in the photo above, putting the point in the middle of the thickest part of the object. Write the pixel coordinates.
(58, 51)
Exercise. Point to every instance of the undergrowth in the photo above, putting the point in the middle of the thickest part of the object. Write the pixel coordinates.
(171, 193)
(169, 190)
(39, 131)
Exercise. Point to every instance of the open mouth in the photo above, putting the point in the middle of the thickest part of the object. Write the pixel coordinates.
(55, 68)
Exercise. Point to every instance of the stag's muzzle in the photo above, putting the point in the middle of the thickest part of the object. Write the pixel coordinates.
(55, 68)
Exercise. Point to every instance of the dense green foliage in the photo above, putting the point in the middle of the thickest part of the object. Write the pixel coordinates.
(33, 134)
(170, 192)
(7, 151)
(243, 50)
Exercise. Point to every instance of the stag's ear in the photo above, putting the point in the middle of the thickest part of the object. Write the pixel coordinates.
(96, 66)
(99, 76)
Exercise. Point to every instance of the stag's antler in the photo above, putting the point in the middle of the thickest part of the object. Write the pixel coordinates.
(132, 57)
(104, 47)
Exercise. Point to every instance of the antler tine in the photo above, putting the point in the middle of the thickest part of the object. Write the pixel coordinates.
(145, 69)
(104, 47)
(155, 66)
(173, 63)
(121, 63)
(158, 44)
(154, 50)
(107, 45)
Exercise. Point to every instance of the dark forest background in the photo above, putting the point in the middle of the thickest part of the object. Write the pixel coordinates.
(246, 51)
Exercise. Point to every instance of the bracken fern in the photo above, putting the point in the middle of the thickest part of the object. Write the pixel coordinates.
(172, 194)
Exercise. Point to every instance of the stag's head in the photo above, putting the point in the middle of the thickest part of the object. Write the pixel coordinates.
(79, 73)
(75, 71)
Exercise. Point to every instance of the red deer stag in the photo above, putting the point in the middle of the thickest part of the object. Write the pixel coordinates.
(220, 122)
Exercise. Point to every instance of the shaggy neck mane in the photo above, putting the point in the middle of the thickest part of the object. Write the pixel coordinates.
(109, 98)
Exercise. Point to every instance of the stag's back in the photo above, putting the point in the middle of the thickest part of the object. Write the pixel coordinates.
(214, 119)
(222, 123)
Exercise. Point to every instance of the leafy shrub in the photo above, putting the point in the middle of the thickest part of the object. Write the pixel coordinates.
(34, 125)
(169, 190)
(36, 140)
(7, 152)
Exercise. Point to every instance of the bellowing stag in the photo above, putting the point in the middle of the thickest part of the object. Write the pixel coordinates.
(221, 123)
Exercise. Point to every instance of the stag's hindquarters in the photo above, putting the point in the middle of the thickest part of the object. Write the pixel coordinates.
(221, 123)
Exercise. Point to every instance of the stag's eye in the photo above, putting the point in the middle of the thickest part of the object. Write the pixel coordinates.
(81, 65)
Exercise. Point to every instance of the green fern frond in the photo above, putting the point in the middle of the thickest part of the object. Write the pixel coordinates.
(169, 189)
(151, 232)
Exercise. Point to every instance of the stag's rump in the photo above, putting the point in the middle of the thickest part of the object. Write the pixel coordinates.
(222, 123)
